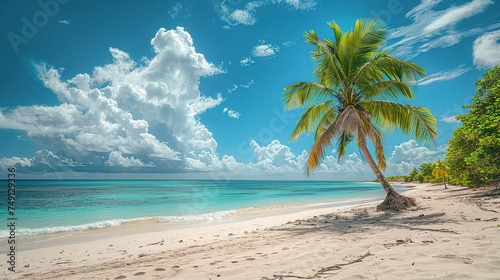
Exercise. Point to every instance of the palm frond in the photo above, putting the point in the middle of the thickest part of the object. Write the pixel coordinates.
(414, 121)
(317, 152)
(302, 94)
(310, 119)
(325, 122)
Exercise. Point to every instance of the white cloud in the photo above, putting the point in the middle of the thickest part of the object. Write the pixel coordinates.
(264, 50)
(235, 13)
(435, 29)
(486, 50)
(232, 89)
(443, 75)
(450, 119)
(409, 155)
(247, 85)
(41, 161)
(231, 113)
(14, 161)
(64, 21)
(301, 4)
(455, 14)
(117, 159)
(246, 61)
(287, 44)
(143, 111)
(178, 10)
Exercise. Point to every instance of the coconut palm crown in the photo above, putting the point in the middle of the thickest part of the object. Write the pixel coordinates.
(354, 98)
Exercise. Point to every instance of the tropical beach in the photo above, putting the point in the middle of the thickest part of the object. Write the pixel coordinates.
(452, 234)
(270, 140)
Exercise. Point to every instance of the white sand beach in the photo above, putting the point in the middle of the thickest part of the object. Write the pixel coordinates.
(452, 234)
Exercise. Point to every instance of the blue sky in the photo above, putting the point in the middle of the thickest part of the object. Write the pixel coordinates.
(192, 89)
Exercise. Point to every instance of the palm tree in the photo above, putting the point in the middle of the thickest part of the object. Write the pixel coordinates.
(440, 171)
(354, 99)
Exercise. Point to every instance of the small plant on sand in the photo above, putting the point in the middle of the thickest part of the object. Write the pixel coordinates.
(354, 99)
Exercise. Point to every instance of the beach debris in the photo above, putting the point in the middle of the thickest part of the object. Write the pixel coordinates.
(110, 245)
(428, 241)
(157, 243)
(181, 241)
(398, 242)
(27, 265)
(216, 235)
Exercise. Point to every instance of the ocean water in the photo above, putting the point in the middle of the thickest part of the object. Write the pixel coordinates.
(56, 206)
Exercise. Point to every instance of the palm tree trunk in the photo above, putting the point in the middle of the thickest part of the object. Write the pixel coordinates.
(389, 190)
(444, 182)
(393, 200)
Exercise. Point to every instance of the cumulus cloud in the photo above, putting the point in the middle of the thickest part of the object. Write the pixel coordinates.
(486, 50)
(264, 50)
(14, 161)
(436, 28)
(238, 12)
(144, 111)
(409, 155)
(117, 159)
(231, 113)
(246, 61)
(443, 75)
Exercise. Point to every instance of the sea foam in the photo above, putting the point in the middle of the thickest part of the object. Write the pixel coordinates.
(113, 223)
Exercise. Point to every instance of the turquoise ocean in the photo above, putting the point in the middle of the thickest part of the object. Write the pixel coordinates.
(44, 207)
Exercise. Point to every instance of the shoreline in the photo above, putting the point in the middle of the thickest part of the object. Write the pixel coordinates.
(160, 223)
(254, 247)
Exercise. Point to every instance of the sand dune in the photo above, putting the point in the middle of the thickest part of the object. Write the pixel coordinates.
(453, 234)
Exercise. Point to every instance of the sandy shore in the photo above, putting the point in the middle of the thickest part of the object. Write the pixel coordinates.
(452, 234)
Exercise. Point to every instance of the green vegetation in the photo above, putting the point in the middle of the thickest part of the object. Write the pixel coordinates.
(433, 172)
(354, 99)
(474, 151)
(473, 157)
